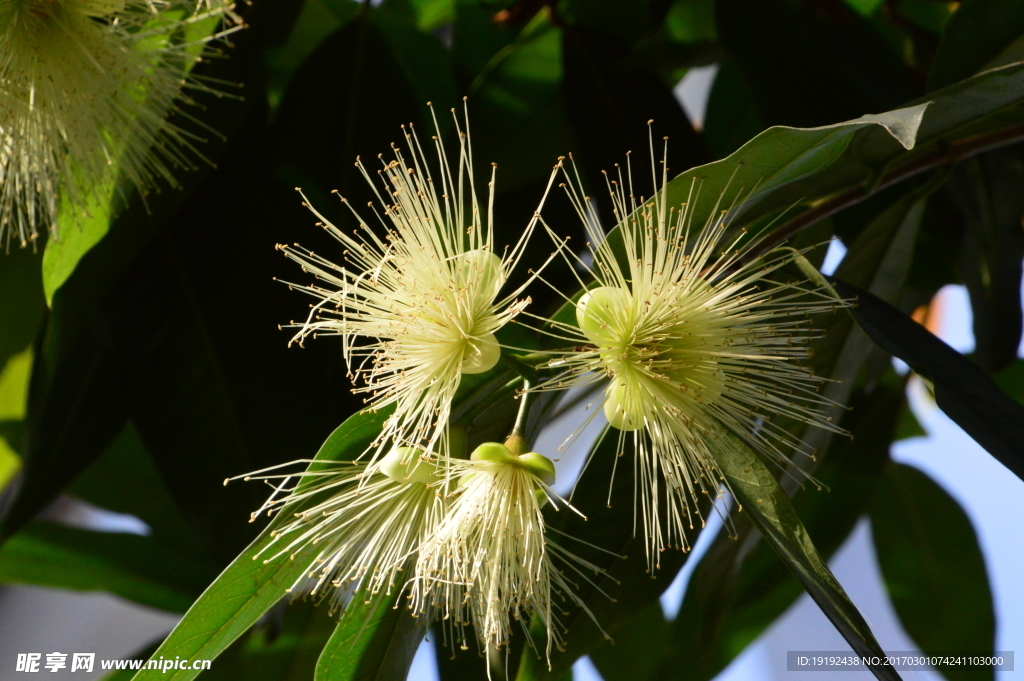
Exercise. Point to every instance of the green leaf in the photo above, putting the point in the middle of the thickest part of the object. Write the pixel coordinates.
(736, 593)
(639, 649)
(375, 640)
(134, 567)
(986, 189)
(976, 36)
(81, 228)
(248, 587)
(759, 495)
(1011, 380)
(933, 568)
(963, 391)
(282, 647)
(797, 169)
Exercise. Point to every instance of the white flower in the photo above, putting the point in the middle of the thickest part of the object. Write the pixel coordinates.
(687, 330)
(365, 526)
(85, 86)
(489, 561)
(419, 307)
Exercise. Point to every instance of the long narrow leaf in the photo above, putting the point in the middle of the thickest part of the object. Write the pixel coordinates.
(248, 588)
(768, 507)
(962, 390)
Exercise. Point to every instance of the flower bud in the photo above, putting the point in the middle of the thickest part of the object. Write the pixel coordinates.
(403, 464)
(598, 311)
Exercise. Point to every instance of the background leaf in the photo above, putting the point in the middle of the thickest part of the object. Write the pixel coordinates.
(933, 568)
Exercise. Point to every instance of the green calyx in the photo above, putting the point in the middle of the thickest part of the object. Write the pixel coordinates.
(537, 464)
(403, 464)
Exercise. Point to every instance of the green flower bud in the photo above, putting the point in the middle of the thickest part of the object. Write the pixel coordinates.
(600, 311)
(403, 464)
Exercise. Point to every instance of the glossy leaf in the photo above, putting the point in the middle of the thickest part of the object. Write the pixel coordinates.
(933, 568)
(792, 168)
(759, 495)
(250, 587)
(963, 391)
(727, 606)
(376, 640)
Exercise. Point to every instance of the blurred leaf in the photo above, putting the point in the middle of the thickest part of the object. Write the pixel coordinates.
(760, 497)
(609, 107)
(690, 21)
(428, 66)
(517, 102)
(131, 566)
(810, 68)
(249, 587)
(1011, 380)
(376, 640)
(639, 648)
(908, 426)
(731, 118)
(125, 479)
(975, 36)
(987, 190)
(963, 391)
(933, 568)
(317, 20)
(23, 308)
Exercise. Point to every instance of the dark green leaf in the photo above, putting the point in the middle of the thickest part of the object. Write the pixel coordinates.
(248, 587)
(810, 68)
(639, 648)
(986, 189)
(21, 290)
(282, 647)
(963, 391)
(978, 34)
(796, 168)
(933, 568)
(375, 641)
(762, 499)
(737, 591)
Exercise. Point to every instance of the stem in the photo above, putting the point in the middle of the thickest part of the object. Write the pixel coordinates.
(946, 154)
(516, 442)
(527, 372)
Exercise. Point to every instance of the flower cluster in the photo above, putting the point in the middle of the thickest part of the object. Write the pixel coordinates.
(685, 329)
(85, 90)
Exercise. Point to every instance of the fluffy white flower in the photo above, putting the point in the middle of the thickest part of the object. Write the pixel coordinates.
(419, 306)
(686, 329)
(85, 88)
(364, 526)
(489, 561)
